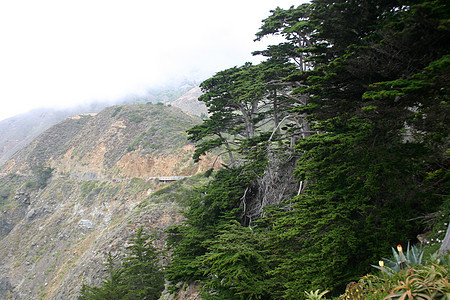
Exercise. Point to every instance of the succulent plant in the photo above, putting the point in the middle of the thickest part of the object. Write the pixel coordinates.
(412, 257)
(427, 283)
(315, 295)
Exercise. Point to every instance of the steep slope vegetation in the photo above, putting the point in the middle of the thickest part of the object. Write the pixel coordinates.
(343, 143)
(53, 235)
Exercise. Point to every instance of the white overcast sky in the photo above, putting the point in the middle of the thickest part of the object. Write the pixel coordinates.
(59, 53)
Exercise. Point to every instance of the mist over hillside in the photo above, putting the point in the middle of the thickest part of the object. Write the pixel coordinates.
(18, 131)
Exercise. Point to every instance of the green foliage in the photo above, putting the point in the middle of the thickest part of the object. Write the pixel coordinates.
(334, 230)
(9, 186)
(206, 146)
(135, 118)
(315, 295)
(235, 263)
(134, 145)
(116, 111)
(5, 194)
(294, 26)
(111, 287)
(90, 189)
(375, 79)
(135, 276)
(365, 181)
(240, 104)
(41, 175)
(143, 278)
(179, 191)
(209, 209)
(421, 282)
(413, 257)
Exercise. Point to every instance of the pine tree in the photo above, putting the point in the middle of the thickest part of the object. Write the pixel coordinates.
(111, 287)
(135, 276)
(142, 277)
(235, 264)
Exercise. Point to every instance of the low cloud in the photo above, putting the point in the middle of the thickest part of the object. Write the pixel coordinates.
(60, 53)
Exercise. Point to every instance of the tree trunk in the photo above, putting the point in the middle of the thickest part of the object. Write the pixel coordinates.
(230, 152)
(445, 247)
(275, 111)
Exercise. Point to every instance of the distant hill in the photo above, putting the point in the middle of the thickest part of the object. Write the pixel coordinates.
(18, 131)
(190, 104)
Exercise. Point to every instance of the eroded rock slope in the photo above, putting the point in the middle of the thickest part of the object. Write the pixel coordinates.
(82, 187)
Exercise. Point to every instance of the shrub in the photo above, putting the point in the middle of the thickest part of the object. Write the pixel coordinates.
(41, 175)
(411, 280)
(136, 118)
(116, 111)
(421, 282)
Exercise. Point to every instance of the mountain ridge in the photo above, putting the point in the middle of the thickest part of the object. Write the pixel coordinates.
(18, 131)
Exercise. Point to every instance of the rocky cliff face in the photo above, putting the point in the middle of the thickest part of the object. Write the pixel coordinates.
(106, 169)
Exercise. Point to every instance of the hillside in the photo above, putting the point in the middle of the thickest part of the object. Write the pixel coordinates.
(139, 140)
(105, 170)
(18, 131)
(190, 104)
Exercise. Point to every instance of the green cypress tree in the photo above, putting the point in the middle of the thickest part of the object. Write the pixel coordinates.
(135, 276)
(142, 277)
(380, 100)
(111, 287)
(235, 264)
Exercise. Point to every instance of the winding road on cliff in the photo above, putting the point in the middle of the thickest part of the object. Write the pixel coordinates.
(94, 177)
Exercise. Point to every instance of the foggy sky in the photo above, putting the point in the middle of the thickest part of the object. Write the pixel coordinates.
(59, 53)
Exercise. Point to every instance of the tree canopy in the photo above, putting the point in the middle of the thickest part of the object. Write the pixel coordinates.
(357, 96)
